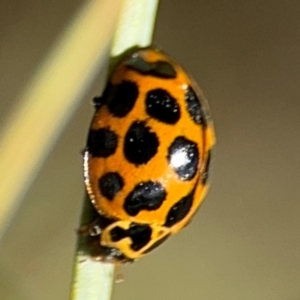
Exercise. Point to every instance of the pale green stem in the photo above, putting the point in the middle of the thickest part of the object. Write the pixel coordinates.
(93, 280)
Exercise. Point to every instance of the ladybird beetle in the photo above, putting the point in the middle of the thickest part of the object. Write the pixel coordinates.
(146, 163)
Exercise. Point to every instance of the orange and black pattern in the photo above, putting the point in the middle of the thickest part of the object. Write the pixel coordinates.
(148, 152)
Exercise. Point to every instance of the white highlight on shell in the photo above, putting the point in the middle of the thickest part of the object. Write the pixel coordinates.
(179, 158)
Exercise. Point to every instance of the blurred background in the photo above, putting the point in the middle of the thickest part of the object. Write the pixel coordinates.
(244, 243)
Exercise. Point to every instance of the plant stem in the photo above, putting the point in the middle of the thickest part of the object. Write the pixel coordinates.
(93, 280)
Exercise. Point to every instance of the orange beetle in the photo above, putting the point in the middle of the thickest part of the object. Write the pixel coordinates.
(147, 158)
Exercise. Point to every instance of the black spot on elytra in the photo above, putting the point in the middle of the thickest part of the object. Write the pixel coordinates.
(194, 107)
(183, 157)
(180, 209)
(147, 195)
(102, 142)
(156, 244)
(139, 234)
(206, 172)
(120, 98)
(110, 184)
(161, 106)
(140, 143)
(160, 68)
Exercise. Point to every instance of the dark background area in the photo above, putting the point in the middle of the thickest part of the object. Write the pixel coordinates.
(244, 242)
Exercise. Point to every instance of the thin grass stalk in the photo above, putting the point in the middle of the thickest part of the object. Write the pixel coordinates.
(93, 280)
